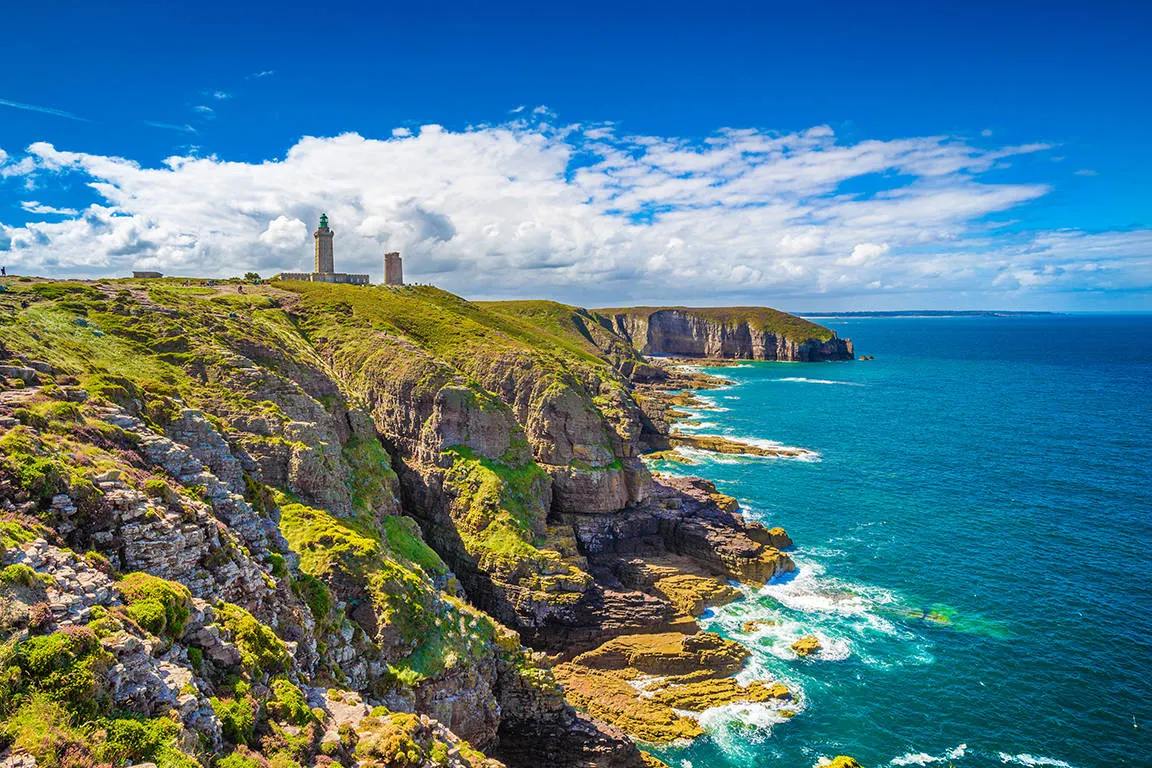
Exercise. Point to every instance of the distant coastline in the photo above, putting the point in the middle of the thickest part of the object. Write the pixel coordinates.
(907, 313)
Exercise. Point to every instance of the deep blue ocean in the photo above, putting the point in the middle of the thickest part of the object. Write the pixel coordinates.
(974, 546)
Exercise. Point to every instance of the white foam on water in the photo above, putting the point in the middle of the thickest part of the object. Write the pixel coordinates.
(923, 758)
(708, 404)
(685, 427)
(803, 454)
(731, 397)
(916, 758)
(828, 552)
(1032, 760)
(832, 649)
(803, 380)
(807, 592)
(758, 715)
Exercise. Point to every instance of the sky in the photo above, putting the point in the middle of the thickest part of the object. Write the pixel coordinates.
(813, 157)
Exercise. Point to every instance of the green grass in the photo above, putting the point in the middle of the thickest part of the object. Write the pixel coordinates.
(372, 481)
(404, 539)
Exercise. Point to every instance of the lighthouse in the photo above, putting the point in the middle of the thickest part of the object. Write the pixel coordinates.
(324, 262)
(325, 271)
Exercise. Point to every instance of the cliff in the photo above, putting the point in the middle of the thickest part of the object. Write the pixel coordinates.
(322, 524)
(746, 333)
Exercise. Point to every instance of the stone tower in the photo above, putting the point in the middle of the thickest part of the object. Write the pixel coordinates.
(324, 263)
(393, 269)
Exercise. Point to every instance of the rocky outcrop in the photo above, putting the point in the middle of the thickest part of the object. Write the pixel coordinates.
(746, 333)
(354, 523)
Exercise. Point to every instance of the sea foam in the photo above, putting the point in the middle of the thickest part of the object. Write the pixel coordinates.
(805, 380)
(1032, 760)
(923, 758)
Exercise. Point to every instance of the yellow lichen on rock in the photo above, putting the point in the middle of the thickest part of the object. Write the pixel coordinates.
(725, 502)
(645, 684)
(704, 694)
(691, 594)
(668, 653)
(756, 625)
(718, 444)
(652, 762)
(843, 761)
(806, 646)
(606, 695)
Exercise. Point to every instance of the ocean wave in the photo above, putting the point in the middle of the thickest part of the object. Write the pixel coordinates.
(701, 456)
(806, 454)
(692, 427)
(804, 380)
(707, 404)
(923, 758)
(1032, 760)
(916, 758)
(736, 727)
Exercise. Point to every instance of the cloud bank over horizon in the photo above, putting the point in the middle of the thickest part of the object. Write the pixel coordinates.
(586, 214)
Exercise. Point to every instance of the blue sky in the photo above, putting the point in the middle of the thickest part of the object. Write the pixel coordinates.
(1047, 107)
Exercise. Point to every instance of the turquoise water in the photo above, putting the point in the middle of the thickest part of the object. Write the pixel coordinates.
(974, 546)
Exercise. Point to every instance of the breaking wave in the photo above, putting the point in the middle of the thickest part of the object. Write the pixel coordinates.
(804, 380)
(1031, 760)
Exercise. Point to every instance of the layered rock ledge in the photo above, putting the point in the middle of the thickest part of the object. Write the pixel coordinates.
(336, 525)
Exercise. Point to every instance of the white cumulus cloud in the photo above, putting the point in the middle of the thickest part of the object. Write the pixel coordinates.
(583, 213)
(284, 232)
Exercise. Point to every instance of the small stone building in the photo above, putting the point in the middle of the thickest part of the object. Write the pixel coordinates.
(140, 275)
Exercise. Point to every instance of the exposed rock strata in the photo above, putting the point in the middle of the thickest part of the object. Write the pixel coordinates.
(318, 488)
(747, 333)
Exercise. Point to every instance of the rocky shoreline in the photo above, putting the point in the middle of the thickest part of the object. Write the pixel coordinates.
(328, 525)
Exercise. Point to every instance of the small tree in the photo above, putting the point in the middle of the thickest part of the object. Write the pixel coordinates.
(251, 275)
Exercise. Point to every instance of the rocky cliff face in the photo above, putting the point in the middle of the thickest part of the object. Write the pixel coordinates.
(331, 525)
(739, 333)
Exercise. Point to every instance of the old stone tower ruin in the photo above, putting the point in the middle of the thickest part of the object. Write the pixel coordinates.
(393, 269)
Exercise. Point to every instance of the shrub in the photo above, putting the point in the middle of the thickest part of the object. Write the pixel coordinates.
(157, 605)
(19, 574)
(260, 649)
(131, 740)
(241, 758)
(279, 567)
(157, 488)
(62, 665)
(101, 563)
(237, 717)
(40, 616)
(315, 594)
(287, 704)
(42, 728)
(40, 477)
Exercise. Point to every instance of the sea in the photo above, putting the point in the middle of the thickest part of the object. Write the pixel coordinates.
(973, 547)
